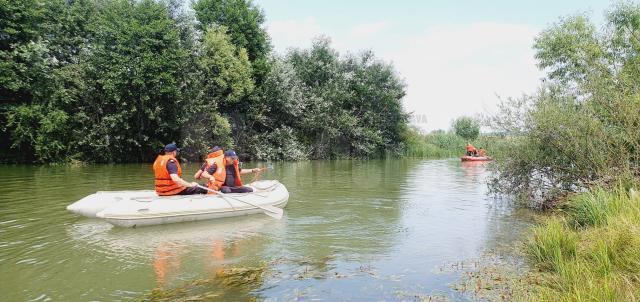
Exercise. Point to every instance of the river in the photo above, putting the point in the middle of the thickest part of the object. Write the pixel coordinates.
(353, 231)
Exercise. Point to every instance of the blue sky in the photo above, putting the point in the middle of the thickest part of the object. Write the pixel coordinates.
(455, 56)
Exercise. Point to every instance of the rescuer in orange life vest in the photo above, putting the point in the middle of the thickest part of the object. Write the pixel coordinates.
(471, 150)
(168, 175)
(223, 172)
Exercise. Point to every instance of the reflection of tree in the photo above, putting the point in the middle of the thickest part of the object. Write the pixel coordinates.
(342, 207)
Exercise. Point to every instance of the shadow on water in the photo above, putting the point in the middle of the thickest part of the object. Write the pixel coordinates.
(352, 230)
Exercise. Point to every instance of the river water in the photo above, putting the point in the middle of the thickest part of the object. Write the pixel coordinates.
(352, 231)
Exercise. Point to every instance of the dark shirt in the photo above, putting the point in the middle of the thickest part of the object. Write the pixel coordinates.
(230, 180)
(172, 167)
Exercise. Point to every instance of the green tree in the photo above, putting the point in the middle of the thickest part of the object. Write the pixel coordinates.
(224, 74)
(581, 127)
(466, 127)
(134, 98)
(243, 20)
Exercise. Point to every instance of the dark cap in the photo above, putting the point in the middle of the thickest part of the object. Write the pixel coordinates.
(171, 147)
(216, 148)
(230, 153)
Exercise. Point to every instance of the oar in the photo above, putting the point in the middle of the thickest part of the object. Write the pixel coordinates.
(269, 210)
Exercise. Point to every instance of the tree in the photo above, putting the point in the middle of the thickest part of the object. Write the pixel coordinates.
(589, 101)
(243, 20)
(466, 127)
(224, 74)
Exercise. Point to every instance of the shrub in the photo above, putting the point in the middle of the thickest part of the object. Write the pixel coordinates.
(466, 127)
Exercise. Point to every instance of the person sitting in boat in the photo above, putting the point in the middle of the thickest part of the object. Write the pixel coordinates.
(471, 150)
(222, 170)
(168, 175)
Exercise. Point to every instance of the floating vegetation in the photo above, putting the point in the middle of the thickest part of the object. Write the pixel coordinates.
(404, 295)
(241, 277)
(236, 282)
(492, 277)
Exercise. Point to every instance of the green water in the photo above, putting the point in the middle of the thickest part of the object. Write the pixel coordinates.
(353, 230)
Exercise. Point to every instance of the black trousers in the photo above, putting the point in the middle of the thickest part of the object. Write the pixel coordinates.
(193, 190)
(241, 189)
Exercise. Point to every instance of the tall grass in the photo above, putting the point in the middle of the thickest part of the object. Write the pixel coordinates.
(447, 144)
(592, 253)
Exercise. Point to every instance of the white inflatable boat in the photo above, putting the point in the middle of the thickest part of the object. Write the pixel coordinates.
(141, 208)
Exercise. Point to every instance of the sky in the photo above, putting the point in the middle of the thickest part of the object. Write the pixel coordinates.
(456, 57)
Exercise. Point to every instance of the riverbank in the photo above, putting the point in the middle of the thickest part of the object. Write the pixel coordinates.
(587, 250)
(590, 250)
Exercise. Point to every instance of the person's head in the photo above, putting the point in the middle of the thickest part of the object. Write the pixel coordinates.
(215, 152)
(171, 149)
(230, 156)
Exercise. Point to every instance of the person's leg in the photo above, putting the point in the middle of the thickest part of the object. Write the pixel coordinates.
(242, 189)
(193, 191)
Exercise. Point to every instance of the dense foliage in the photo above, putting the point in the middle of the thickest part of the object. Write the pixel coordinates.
(466, 127)
(581, 128)
(113, 80)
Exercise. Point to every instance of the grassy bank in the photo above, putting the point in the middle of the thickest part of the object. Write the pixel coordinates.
(447, 144)
(589, 251)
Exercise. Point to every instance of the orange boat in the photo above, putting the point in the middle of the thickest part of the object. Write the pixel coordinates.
(475, 158)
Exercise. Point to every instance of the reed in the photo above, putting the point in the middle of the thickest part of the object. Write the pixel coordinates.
(591, 252)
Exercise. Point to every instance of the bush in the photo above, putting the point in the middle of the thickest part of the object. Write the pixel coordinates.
(581, 128)
(466, 127)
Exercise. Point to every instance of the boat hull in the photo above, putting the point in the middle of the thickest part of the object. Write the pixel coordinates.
(143, 208)
(140, 221)
(475, 158)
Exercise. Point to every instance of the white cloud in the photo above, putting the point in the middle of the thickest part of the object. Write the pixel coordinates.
(458, 70)
(368, 30)
(450, 70)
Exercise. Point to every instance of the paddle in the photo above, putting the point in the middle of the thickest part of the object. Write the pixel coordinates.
(269, 210)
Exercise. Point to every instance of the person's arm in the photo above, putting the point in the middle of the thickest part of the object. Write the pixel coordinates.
(247, 171)
(200, 171)
(208, 174)
(181, 181)
(172, 168)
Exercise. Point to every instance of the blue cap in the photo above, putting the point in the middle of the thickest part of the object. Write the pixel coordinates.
(171, 147)
(216, 148)
(230, 153)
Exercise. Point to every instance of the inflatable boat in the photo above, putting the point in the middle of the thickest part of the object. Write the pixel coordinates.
(142, 208)
(475, 158)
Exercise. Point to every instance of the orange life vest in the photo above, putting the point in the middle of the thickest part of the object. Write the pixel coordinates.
(164, 184)
(220, 174)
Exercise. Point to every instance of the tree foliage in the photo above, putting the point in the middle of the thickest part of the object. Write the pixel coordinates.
(582, 126)
(113, 80)
(466, 127)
